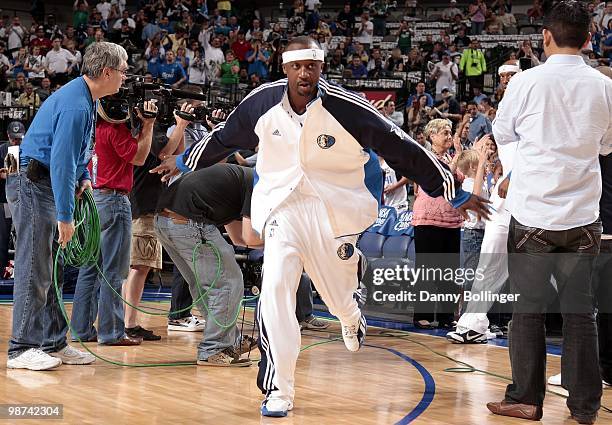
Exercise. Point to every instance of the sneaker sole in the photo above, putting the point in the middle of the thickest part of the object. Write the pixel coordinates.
(37, 368)
(463, 341)
(183, 329)
(315, 328)
(76, 362)
(273, 413)
(157, 338)
(241, 364)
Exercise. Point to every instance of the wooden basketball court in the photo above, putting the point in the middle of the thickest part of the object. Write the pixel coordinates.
(391, 381)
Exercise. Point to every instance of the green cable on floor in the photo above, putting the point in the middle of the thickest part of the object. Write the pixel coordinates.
(84, 249)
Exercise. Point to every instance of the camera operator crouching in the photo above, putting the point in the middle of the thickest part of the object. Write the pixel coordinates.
(112, 167)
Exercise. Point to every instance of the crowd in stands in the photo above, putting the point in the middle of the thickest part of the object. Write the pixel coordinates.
(185, 43)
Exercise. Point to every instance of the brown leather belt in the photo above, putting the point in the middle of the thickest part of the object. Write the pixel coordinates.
(176, 218)
(112, 191)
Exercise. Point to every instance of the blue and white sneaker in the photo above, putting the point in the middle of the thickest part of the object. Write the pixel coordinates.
(275, 407)
(354, 334)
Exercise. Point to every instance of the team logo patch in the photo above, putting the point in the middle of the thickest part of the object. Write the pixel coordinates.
(346, 251)
(325, 141)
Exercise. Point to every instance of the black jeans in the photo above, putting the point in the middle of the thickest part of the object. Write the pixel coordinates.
(475, 81)
(181, 296)
(569, 255)
(430, 243)
(603, 299)
(303, 306)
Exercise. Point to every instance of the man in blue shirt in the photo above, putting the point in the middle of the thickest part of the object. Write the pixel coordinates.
(479, 124)
(172, 72)
(53, 159)
(420, 90)
(357, 68)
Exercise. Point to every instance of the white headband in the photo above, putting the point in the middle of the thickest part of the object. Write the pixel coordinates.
(508, 68)
(303, 55)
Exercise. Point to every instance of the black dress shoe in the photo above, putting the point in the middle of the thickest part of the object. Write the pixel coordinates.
(516, 410)
(584, 419)
(124, 342)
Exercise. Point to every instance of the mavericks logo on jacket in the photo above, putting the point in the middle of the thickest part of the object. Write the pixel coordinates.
(325, 141)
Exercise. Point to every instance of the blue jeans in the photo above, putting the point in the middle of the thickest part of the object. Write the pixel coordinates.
(224, 297)
(37, 319)
(471, 241)
(116, 226)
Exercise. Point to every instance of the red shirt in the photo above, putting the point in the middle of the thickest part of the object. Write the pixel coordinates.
(44, 44)
(241, 49)
(115, 148)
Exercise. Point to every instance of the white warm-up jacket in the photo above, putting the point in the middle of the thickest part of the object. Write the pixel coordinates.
(333, 149)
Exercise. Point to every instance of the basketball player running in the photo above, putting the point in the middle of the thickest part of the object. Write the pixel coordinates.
(317, 187)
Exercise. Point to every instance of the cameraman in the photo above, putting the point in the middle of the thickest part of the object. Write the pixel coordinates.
(187, 133)
(146, 253)
(53, 160)
(112, 169)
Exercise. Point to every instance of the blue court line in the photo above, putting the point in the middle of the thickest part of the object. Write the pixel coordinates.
(428, 393)
(553, 349)
(154, 294)
(430, 384)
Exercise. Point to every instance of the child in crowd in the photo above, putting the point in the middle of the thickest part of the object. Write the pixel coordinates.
(394, 194)
(472, 163)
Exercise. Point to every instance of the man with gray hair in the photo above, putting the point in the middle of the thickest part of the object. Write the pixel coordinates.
(53, 159)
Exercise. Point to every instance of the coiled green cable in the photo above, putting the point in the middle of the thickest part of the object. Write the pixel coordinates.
(84, 250)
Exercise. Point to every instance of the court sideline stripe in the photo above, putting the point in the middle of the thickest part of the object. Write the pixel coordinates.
(428, 393)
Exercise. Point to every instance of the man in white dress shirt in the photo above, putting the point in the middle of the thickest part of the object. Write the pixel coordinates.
(59, 62)
(558, 143)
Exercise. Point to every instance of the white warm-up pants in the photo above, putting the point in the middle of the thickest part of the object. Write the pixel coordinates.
(298, 237)
(493, 263)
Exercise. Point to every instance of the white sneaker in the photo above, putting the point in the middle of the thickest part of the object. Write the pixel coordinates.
(187, 324)
(354, 334)
(463, 335)
(70, 355)
(555, 380)
(275, 407)
(33, 359)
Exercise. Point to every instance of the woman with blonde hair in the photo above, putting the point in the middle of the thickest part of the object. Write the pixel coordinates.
(437, 230)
